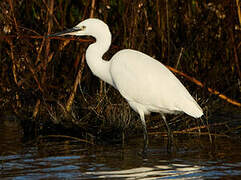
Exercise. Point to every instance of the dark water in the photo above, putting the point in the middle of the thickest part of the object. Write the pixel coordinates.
(52, 158)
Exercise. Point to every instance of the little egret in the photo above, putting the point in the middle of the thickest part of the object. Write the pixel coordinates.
(146, 84)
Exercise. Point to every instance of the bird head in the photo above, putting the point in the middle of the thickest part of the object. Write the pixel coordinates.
(89, 27)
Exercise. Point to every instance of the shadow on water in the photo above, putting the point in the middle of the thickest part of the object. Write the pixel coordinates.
(193, 157)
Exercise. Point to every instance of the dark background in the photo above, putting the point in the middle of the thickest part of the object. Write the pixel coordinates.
(39, 77)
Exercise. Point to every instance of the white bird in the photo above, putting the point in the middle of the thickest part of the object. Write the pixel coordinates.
(146, 84)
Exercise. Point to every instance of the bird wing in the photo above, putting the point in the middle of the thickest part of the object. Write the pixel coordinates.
(144, 80)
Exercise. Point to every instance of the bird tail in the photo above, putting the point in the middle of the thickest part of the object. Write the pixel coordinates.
(192, 109)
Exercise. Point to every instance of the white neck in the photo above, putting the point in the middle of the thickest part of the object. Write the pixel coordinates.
(94, 53)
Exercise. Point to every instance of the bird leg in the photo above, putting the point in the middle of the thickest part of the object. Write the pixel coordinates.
(145, 137)
(169, 132)
(144, 132)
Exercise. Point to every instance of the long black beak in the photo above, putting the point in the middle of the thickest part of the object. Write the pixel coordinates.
(63, 33)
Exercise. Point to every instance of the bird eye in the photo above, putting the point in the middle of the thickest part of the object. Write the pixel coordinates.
(83, 27)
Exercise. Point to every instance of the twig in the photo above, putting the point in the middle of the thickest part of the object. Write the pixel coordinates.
(47, 49)
(69, 137)
(92, 10)
(11, 54)
(36, 109)
(14, 19)
(179, 58)
(6, 37)
(33, 72)
(39, 51)
(212, 91)
(168, 31)
(203, 127)
(194, 133)
(236, 60)
(77, 81)
(49, 10)
(239, 11)
(158, 14)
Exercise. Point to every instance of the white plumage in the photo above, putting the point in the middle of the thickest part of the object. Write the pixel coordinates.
(146, 84)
